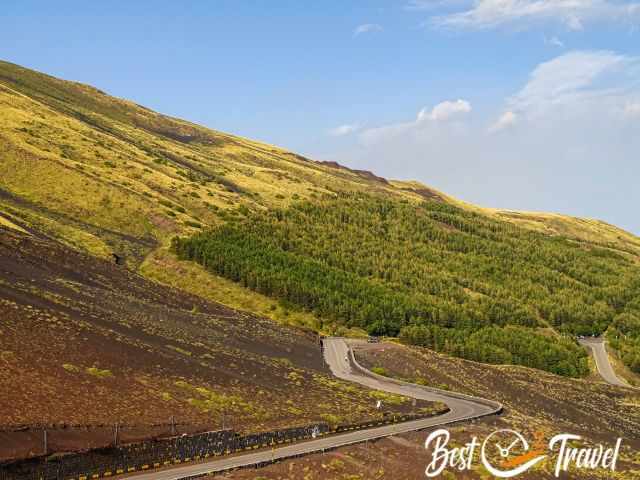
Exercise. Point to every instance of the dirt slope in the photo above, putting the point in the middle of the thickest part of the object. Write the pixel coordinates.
(86, 342)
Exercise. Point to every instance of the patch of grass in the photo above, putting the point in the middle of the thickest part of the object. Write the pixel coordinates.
(380, 371)
(69, 367)
(5, 222)
(164, 267)
(190, 223)
(388, 398)
(330, 418)
(180, 350)
(99, 373)
(7, 355)
(208, 400)
(285, 362)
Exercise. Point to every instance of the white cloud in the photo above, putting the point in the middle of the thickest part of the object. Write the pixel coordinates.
(439, 114)
(446, 110)
(573, 137)
(367, 28)
(573, 14)
(507, 119)
(554, 41)
(579, 85)
(574, 23)
(632, 110)
(387, 132)
(576, 76)
(343, 130)
(587, 83)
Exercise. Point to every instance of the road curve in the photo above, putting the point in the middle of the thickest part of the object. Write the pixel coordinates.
(343, 365)
(599, 350)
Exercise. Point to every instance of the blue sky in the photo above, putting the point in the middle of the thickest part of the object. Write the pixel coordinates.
(522, 104)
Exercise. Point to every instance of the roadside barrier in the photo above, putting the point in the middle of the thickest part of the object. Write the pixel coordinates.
(108, 462)
(149, 455)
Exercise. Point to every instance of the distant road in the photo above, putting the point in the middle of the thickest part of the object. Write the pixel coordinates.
(599, 350)
(343, 365)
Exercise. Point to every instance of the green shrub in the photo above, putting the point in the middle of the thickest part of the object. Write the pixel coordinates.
(380, 371)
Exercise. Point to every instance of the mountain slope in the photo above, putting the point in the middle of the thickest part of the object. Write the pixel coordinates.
(85, 344)
(110, 177)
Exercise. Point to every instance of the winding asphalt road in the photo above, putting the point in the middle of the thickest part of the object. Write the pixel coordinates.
(343, 364)
(599, 350)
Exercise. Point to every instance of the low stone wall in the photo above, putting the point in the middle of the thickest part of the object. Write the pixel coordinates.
(147, 455)
(107, 462)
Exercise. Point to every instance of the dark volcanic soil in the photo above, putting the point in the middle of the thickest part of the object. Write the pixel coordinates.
(591, 408)
(536, 403)
(85, 343)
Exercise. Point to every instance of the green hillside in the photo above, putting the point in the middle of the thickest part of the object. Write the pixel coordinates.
(435, 274)
(107, 176)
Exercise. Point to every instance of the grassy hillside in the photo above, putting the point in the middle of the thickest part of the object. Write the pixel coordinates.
(105, 175)
(435, 274)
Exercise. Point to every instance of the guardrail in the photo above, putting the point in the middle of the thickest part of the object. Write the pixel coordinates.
(150, 455)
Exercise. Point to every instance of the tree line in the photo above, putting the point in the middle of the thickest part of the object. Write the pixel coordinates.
(432, 273)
